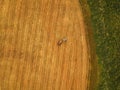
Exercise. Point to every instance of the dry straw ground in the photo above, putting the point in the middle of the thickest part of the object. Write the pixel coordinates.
(30, 58)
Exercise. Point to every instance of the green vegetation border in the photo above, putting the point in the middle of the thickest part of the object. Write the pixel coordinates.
(93, 75)
(105, 20)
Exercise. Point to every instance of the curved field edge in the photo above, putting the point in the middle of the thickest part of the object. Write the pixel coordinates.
(93, 73)
(105, 20)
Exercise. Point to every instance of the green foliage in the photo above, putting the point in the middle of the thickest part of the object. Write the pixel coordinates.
(106, 23)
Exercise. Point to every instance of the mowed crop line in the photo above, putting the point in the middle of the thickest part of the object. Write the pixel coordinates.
(31, 58)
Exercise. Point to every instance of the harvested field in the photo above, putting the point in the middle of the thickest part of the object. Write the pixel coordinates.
(30, 56)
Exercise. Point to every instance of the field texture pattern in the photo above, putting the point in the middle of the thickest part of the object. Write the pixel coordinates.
(30, 57)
